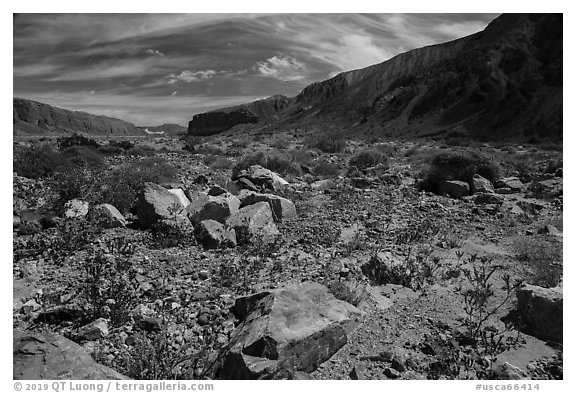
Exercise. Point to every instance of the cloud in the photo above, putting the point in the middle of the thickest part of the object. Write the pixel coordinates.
(281, 67)
(190, 76)
(153, 52)
(173, 94)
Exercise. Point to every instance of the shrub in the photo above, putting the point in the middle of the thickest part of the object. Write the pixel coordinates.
(458, 165)
(37, 161)
(217, 162)
(276, 162)
(121, 187)
(544, 256)
(76, 182)
(281, 143)
(242, 143)
(124, 145)
(209, 149)
(333, 142)
(368, 158)
(139, 152)
(326, 169)
(110, 150)
(84, 156)
(76, 140)
(301, 156)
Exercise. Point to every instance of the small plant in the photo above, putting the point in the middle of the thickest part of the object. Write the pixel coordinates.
(332, 142)
(37, 161)
(326, 169)
(76, 140)
(369, 158)
(110, 282)
(478, 295)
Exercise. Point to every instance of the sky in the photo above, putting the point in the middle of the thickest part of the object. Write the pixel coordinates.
(152, 69)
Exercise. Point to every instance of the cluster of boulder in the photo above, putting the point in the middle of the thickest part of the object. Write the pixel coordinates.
(219, 218)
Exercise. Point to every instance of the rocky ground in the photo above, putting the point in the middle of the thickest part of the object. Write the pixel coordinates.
(348, 275)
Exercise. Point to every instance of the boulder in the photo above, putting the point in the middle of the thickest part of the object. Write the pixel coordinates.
(212, 234)
(156, 203)
(513, 183)
(50, 356)
(263, 178)
(507, 371)
(76, 209)
(485, 198)
(253, 221)
(454, 188)
(282, 208)
(210, 207)
(107, 216)
(541, 309)
(481, 185)
(547, 189)
(93, 330)
(292, 329)
(180, 194)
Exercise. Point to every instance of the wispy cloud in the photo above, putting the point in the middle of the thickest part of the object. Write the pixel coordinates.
(190, 76)
(282, 67)
(153, 52)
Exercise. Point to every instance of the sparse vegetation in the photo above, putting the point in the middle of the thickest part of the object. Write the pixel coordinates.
(369, 158)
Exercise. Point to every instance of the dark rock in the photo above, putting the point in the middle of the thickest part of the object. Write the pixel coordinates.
(282, 208)
(94, 330)
(391, 373)
(481, 185)
(358, 372)
(488, 198)
(262, 177)
(203, 319)
(50, 356)
(512, 183)
(294, 328)
(454, 188)
(212, 234)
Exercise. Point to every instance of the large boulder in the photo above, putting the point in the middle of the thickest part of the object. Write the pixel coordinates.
(107, 216)
(212, 207)
(481, 185)
(50, 356)
(454, 188)
(541, 309)
(212, 234)
(262, 177)
(292, 329)
(513, 183)
(254, 222)
(282, 208)
(76, 209)
(156, 203)
(180, 194)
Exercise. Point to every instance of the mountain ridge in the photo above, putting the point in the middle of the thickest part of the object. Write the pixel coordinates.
(504, 82)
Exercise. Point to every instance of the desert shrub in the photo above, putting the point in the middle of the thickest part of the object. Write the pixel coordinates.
(281, 143)
(124, 145)
(368, 158)
(108, 150)
(76, 182)
(241, 143)
(111, 276)
(544, 256)
(302, 156)
(553, 166)
(83, 156)
(76, 140)
(120, 187)
(209, 149)
(458, 165)
(334, 142)
(275, 161)
(139, 152)
(37, 161)
(217, 162)
(325, 168)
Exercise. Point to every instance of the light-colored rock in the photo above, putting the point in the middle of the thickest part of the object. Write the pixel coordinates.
(548, 189)
(294, 328)
(50, 356)
(212, 234)
(107, 216)
(254, 221)
(94, 330)
(156, 203)
(282, 208)
(180, 194)
(454, 188)
(481, 185)
(541, 309)
(76, 208)
(210, 207)
(508, 371)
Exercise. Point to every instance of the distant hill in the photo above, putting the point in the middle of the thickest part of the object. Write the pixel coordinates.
(502, 83)
(165, 129)
(36, 118)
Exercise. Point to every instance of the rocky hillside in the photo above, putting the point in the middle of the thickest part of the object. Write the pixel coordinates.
(31, 117)
(502, 83)
(222, 119)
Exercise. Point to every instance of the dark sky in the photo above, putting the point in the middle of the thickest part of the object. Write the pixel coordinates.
(163, 68)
